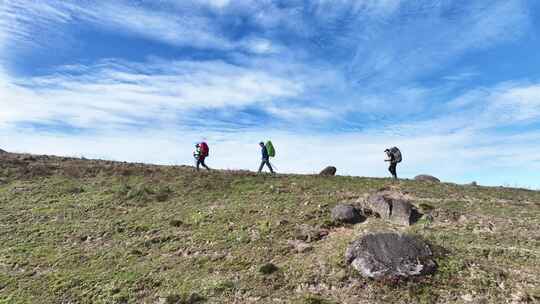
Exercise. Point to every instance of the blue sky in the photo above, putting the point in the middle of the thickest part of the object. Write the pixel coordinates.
(455, 84)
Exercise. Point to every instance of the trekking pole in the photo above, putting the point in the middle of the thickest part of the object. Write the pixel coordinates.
(273, 166)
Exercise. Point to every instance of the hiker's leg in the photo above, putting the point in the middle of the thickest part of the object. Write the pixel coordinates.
(198, 164)
(269, 166)
(261, 166)
(393, 170)
(204, 164)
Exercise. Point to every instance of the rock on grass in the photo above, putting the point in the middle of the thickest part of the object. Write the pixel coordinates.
(268, 268)
(345, 213)
(176, 223)
(391, 206)
(192, 298)
(427, 178)
(390, 255)
(328, 171)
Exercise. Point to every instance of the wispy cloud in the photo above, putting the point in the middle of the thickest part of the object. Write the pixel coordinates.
(503, 105)
(117, 92)
(187, 26)
(21, 21)
(429, 36)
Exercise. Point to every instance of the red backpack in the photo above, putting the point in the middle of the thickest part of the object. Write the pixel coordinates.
(204, 149)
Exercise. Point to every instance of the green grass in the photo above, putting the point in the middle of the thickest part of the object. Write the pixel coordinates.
(81, 231)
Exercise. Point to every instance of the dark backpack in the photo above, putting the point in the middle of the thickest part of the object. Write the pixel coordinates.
(396, 153)
(205, 151)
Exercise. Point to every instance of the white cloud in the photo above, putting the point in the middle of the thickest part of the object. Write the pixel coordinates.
(299, 114)
(502, 105)
(517, 104)
(261, 46)
(29, 25)
(373, 8)
(116, 93)
(216, 3)
(175, 28)
(15, 26)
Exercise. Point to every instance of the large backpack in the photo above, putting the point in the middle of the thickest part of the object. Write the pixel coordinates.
(397, 154)
(270, 149)
(204, 149)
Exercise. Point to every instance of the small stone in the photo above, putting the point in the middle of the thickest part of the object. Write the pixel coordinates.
(176, 223)
(427, 178)
(194, 298)
(268, 268)
(172, 299)
(136, 252)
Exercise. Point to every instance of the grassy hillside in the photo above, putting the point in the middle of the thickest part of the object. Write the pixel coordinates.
(82, 231)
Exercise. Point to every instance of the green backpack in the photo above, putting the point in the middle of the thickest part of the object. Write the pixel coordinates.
(270, 149)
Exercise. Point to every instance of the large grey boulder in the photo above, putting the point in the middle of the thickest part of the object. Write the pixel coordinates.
(390, 255)
(328, 171)
(391, 206)
(427, 178)
(345, 213)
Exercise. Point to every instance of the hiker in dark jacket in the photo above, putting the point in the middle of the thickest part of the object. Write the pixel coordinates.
(265, 158)
(199, 157)
(393, 163)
